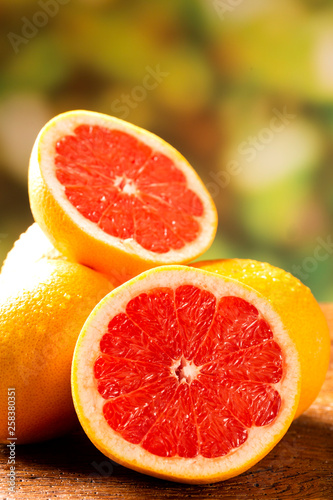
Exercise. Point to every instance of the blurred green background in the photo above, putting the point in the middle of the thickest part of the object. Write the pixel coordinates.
(244, 89)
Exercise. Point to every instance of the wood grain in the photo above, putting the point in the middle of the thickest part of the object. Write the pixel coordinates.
(300, 467)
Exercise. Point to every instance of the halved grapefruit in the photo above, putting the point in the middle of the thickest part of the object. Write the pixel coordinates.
(185, 375)
(116, 197)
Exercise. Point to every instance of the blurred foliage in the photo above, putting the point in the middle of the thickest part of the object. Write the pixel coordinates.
(222, 77)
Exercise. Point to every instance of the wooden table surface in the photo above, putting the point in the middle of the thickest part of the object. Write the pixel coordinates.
(299, 467)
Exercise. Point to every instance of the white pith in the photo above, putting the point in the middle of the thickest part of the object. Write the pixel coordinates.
(89, 404)
(125, 185)
(185, 370)
(44, 153)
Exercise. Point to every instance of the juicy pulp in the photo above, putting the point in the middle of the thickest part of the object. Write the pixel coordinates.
(127, 189)
(183, 375)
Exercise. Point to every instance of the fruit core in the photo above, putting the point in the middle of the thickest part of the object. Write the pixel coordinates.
(186, 371)
(183, 374)
(127, 189)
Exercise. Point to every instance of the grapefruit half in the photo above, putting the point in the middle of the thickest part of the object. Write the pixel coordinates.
(115, 197)
(185, 375)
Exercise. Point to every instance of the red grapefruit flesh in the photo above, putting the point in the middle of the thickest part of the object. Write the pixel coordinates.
(121, 184)
(185, 371)
(185, 376)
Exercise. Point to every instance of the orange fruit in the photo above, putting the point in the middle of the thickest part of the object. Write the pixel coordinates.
(115, 197)
(185, 375)
(299, 311)
(44, 301)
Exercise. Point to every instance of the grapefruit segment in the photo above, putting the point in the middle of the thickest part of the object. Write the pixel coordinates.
(179, 368)
(262, 363)
(195, 311)
(126, 340)
(116, 197)
(155, 314)
(132, 416)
